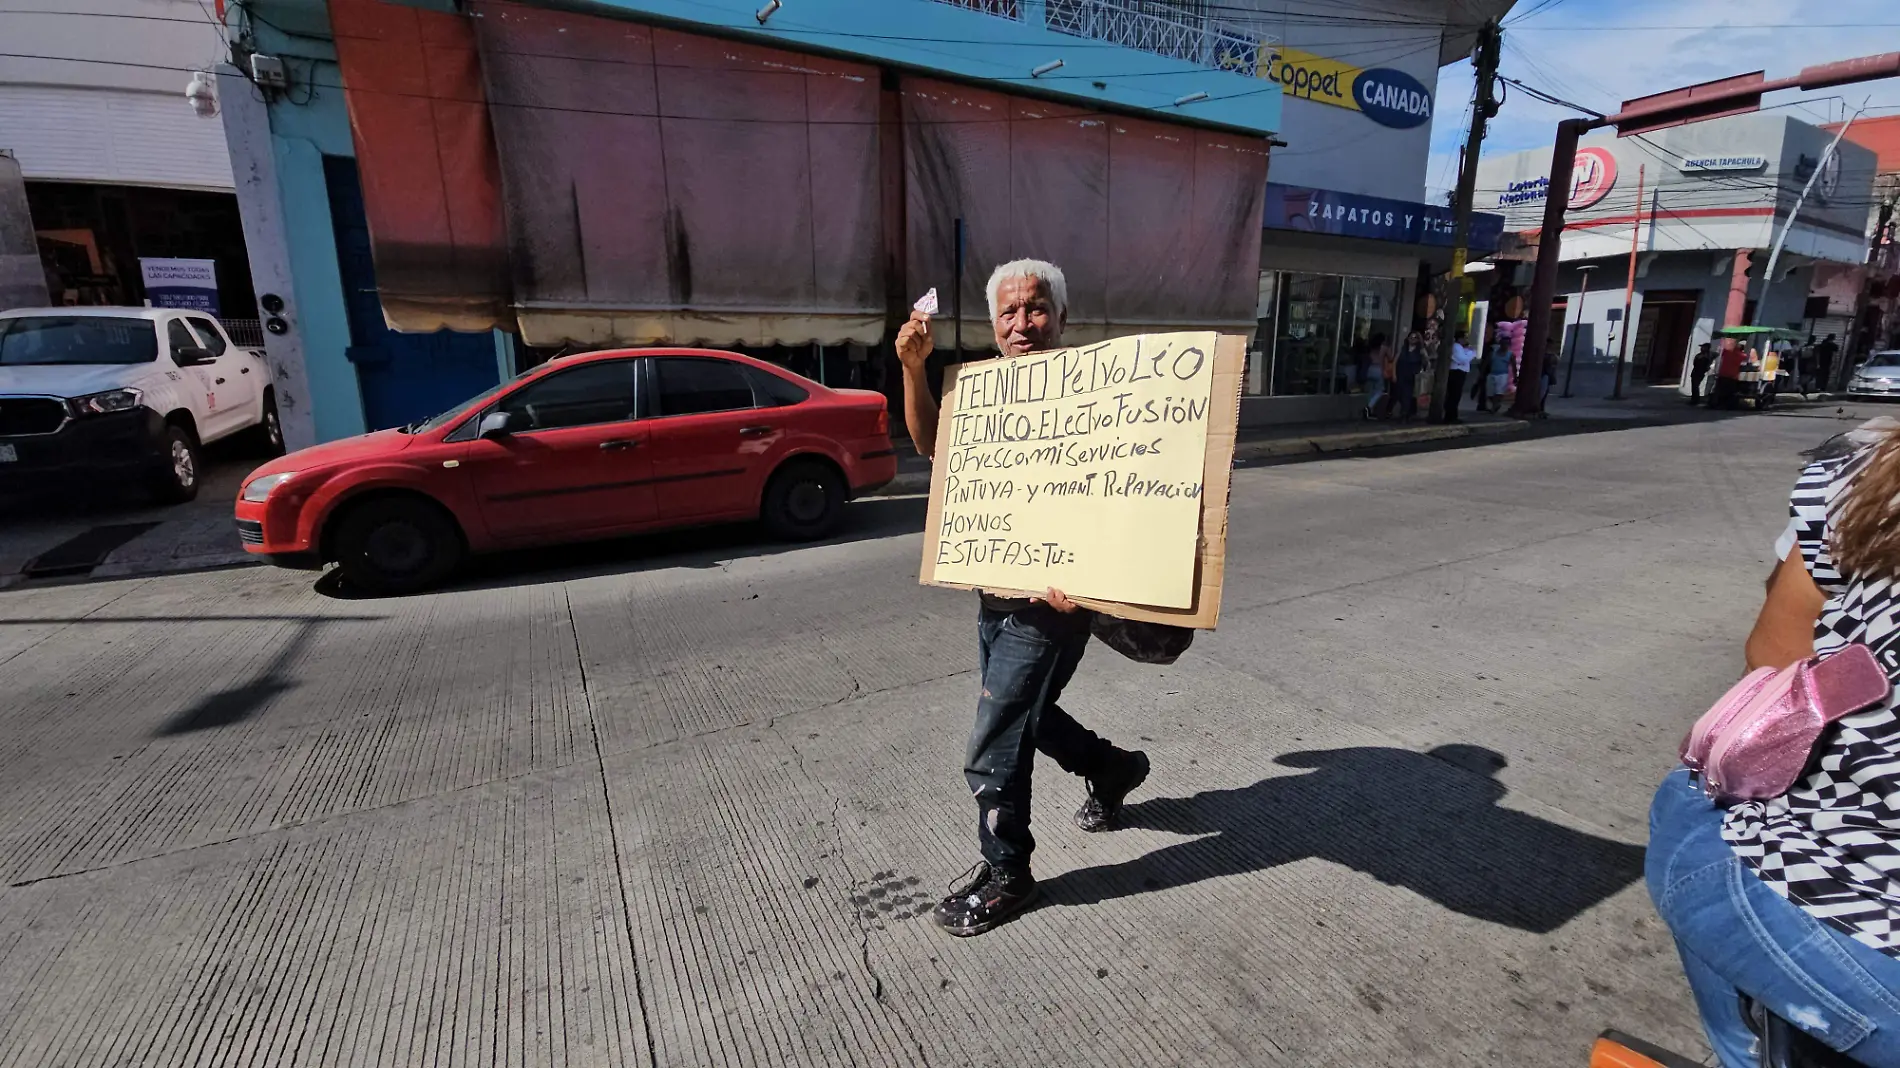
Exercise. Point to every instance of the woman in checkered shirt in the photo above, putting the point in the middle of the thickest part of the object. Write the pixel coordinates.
(1795, 901)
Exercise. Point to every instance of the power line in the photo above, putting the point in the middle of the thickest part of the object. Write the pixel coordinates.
(1535, 10)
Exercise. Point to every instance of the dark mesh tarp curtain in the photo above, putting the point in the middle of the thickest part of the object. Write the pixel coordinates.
(667, 187)
(1156, 226)
(431, 188)
(600, 181)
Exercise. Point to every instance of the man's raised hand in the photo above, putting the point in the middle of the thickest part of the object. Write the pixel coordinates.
(914, 343)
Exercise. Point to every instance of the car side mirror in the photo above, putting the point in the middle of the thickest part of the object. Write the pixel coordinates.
(191, 355)
(501, 424)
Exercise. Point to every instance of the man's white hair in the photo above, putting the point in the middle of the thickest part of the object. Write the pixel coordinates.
(1041, 270)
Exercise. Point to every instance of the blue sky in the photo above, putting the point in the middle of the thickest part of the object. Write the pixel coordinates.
(1601, 52)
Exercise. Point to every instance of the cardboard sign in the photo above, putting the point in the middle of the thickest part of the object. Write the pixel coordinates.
(1101, 470)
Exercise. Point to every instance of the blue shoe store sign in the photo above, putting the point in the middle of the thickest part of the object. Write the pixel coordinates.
(1322, 211)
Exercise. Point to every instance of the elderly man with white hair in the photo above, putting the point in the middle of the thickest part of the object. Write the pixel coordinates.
(1027, 649)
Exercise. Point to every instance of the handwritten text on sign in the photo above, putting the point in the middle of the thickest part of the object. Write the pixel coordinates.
(1079, 469)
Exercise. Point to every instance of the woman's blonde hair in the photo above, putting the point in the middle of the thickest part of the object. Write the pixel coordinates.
(1866, 535)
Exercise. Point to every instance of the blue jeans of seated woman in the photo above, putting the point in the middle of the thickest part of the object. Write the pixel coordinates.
(1737, 936)
(1025, 658)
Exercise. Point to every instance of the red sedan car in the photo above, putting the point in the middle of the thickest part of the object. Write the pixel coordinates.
(590, 446)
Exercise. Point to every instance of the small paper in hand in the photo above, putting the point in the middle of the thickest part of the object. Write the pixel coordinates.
(927, 303)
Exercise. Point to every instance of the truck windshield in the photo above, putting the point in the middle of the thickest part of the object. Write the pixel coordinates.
(76, 339)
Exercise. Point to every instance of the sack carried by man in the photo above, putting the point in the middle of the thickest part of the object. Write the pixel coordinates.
(1757, 740)
(1147, 643)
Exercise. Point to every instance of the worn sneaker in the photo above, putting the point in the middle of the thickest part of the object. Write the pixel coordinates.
(1099, 812)
(988, 896)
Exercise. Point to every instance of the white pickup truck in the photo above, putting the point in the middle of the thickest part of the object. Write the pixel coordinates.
(95, 394)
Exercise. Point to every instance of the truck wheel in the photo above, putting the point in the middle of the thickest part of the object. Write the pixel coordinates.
(176, 479)
(397, 545)
(270, 431)
(804, 501)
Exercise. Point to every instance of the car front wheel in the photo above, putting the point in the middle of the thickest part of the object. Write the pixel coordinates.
(176, 479)
(804, 501)
(397, 545)
(270, 431)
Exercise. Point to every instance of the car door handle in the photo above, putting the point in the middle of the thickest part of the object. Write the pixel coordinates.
(613, 446)
(755, 431)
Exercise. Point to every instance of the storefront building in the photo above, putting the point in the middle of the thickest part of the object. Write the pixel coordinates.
(125, 182)
(1340, 273)
(1714, 196)
(1349, 242)
(667, 172)
(1863, 302)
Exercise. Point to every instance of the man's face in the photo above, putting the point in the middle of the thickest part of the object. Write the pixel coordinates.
(1026, 319)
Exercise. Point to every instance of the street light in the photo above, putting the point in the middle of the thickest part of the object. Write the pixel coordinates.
(1571, 368)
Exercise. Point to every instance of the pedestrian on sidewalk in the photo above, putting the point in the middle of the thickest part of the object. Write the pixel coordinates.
(1405, 380)
(1824, 355)
(1728, 375)
(1480, 380)
(1497, 379)
(1461, 357)
(1699, 372)
(1027, 649)
(1378, 361)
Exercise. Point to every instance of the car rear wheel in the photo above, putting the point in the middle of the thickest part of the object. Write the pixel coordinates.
(396, 545)
(804, 501)
(175, 480)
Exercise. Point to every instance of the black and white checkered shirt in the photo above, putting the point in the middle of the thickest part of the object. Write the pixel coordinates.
(1832, 843)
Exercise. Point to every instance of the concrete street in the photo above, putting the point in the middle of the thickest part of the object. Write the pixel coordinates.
(196, 534)
(688, 801)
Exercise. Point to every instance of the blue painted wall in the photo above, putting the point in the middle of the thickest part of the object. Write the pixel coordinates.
(937, 37)
(308, 123)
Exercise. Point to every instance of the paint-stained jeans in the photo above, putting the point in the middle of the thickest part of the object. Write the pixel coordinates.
(1736, 935)
(1025, 657)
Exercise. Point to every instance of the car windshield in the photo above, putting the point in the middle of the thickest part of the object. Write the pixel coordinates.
(1884, 359)
(76, 339)
(469, 405)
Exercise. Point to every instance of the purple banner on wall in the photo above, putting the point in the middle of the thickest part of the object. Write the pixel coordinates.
(1322, 211)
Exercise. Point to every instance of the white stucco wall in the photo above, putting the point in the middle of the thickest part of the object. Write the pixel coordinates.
(94, 92)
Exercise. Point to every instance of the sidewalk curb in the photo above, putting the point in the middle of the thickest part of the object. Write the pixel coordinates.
(913, 482)
(1366, 439)
(116, 569)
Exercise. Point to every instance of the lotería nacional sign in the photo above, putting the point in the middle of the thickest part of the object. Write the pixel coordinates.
(1592, 176)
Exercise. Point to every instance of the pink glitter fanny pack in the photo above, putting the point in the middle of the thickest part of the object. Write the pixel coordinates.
(1756, 741)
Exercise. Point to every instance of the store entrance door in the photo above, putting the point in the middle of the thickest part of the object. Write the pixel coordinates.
(1662, 333)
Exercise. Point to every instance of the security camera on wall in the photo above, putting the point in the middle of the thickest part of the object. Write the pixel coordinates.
(202, 95)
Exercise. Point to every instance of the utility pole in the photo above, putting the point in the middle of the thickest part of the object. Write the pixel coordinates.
(1576, 334)
(1629, 287)
(1484, 106)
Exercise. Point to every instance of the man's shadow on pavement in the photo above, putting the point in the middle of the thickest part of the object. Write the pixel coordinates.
(1429, 822)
